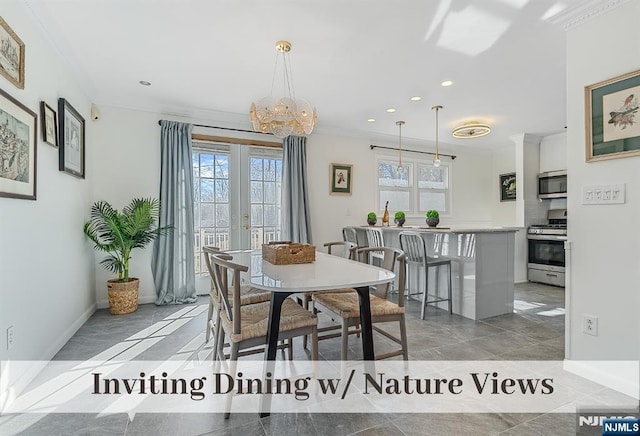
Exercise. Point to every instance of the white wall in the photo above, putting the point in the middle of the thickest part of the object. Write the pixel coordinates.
(46, 263)
(126, 161)
(553, 152)
(605, 239)
(471, 186)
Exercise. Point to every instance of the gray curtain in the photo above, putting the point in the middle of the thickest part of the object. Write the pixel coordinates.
(172, 264)
(296, 220)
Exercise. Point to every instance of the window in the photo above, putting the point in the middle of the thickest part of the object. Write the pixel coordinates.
(415, 188)
(237, 197)
(211, 202)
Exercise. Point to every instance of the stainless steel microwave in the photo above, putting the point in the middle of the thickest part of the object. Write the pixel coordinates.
(552, 184)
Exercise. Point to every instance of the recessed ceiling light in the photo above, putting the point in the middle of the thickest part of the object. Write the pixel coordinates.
(144, 83)
(447, 83)
(371, 120)
(391, 110)
(416, 98)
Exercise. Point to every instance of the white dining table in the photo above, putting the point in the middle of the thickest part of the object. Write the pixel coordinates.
(324, 274)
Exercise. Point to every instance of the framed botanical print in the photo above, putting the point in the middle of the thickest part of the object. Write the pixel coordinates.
(18, 149)
(71, 139)
(11, 55)
(508, 187)
(613, 118)
(49, 124)
(341, 179)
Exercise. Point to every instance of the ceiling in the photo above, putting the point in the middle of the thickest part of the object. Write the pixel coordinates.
(351, 59)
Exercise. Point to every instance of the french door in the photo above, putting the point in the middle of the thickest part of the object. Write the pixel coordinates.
(237, 192)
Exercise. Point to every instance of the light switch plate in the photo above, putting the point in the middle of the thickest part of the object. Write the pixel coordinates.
(605, 194)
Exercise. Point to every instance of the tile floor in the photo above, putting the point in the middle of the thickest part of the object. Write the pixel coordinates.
(535, 331)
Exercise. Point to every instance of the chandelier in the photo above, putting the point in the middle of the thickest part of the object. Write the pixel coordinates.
(471, 130)
(286, 115)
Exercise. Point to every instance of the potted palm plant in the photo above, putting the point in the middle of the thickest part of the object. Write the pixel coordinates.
(118, 233)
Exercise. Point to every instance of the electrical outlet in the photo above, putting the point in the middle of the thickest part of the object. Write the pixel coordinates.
(590, 325)
(10, 338)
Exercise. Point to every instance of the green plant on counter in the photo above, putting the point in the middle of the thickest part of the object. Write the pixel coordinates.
(372, 216)
(399, 215)
(433, 214)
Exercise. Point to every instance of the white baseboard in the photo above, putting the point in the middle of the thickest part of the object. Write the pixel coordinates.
(621, 376)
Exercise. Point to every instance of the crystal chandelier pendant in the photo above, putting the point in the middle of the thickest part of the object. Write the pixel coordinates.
(287, 115)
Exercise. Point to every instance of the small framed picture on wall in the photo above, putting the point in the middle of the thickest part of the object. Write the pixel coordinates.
(49, 124)
(341, 178)
(508, 187)
(71, 139)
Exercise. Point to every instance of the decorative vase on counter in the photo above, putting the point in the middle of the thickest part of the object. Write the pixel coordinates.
(399, 221)
(433, 222)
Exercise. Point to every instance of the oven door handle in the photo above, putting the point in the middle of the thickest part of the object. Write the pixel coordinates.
(547, 237)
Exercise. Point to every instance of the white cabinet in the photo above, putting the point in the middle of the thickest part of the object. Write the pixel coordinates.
(553, 153)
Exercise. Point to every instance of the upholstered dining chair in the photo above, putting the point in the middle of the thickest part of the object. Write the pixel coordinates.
(414, 246)
(344, 307)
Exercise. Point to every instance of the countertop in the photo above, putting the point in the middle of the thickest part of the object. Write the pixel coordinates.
(453, 229)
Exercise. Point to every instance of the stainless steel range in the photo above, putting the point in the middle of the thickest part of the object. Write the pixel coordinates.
(546, 249)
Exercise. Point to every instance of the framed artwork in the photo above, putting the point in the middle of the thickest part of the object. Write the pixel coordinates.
(612, 118)
(49, 124)
(11, 55)
(18, 127)
(508, 187)
(71, 139)
(341, 179)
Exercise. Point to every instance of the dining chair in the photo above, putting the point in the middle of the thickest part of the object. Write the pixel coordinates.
(344, 307)
(414, 246)
(245, 326)
(375, 238)
(248, 295)
(339, 248)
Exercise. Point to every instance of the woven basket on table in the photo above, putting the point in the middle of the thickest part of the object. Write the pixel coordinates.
(287, 253)
(123, 296)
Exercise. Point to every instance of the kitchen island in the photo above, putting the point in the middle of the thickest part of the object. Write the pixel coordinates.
(482, 263)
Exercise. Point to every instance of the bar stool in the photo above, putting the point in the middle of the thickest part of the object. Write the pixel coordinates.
(375, 239)
(415, 250)
(349, 235)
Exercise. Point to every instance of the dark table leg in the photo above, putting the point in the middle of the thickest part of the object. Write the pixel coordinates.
(273, 331)
(365, 323)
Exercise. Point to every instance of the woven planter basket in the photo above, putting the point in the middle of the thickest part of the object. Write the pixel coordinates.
(123, 296)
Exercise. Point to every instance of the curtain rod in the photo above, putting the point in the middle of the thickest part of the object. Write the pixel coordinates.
(224, 128)
(411, 151)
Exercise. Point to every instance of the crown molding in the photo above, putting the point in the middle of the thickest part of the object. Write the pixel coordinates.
(575, 16)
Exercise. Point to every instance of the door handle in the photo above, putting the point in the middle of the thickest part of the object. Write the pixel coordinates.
(552, 275)
(245, 227)
(245, 216)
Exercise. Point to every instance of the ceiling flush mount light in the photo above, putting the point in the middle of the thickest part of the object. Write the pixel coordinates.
(286, 115)
(471, 130)
(447, 83)
(436, 160)
(399, 124)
